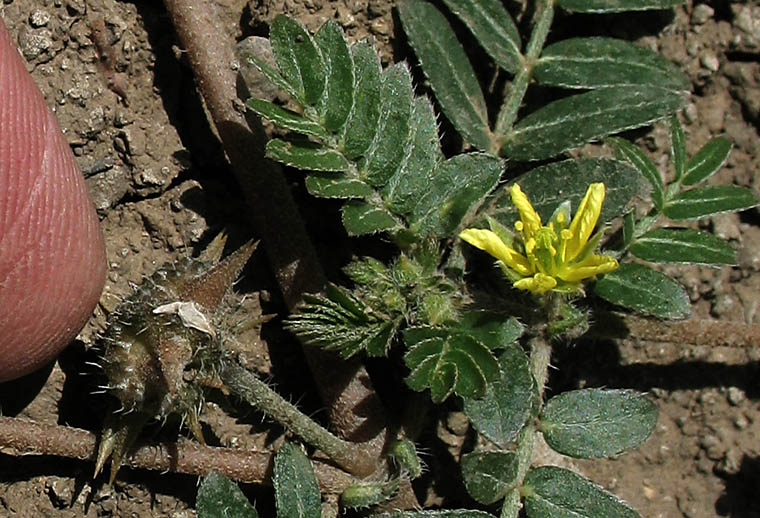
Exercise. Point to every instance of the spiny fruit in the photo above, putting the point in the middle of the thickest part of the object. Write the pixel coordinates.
(161, 347)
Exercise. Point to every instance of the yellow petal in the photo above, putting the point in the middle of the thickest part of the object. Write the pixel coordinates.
(539, 283)
(489, 242)
(530, 219)
(585, 219)
(592, 266)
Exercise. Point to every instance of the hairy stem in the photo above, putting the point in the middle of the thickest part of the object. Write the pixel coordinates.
(715, 333)
(540, 355)
(244, 384)
(25, 438)
(355, 410)
(508, 111)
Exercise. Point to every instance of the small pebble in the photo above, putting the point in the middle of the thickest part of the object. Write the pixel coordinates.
(701, 14)
(736, 395)
(741, 422)
(710, 61)
(39, 18)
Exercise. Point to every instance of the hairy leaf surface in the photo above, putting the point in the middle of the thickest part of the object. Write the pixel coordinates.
(219, 497)
(489, 476)
(633, 154)
(636, 287)
(707, 161)
(295, 487)
(449, 71)
(616, 6)
(604, 62)
(594, 423)
(298, 58)
(711, 199)
(683, 245)
(548, 186)
(571, 122)
(446, 361)
(553, 492)
(338, 98)
(494, 29)
(508, 402)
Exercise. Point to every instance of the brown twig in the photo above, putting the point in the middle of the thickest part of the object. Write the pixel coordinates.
(716, 333)
(26, 437)
(355, 409)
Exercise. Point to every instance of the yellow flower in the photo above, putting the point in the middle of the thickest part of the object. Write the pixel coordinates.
(554, 257)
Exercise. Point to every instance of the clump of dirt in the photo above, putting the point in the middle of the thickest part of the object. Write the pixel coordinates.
(126, 101)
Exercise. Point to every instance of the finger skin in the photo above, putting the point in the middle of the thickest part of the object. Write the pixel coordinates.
(52, 255)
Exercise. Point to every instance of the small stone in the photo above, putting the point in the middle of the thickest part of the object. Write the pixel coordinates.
(710, 61)
(33, 43)
(701, 14)
(458, 423)
(741, 422)
(690, 112)
(39, 18)
(736, 395)
(724, 304)
(731, 462)
(380, 27)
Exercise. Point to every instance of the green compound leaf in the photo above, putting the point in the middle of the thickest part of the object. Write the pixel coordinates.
(306, 155)
(362, 218)
(360, 130)
(507, 403)
(295, 487)
(446, 361)
(494, 29)
(571, 122)
(548, 186)
(594, 423)
(677, 147)
(339, 321)
(707, 161)
(402, 192)
(712, 199)
(637, 287)
(493, 330)
(449, 71)
(218, 497)
(604, 62)
(615, 6)
(459, 183)
(627, 151)
(552, 492)
(489, 476)
(298, 58)
(338, 97)
(285, 118)
(457, 513)
(683, 245)
(329, 186)
(391, 143)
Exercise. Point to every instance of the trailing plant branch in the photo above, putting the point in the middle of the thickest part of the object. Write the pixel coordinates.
(243, 383)
(714, 333)
(508, 112)
(210, 52)
(19, 437)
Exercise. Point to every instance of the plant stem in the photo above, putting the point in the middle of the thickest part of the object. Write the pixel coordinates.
(26, 437)
(508, 111)
(540, 355)
(715, 333)
(346, 390)
(348, 455)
